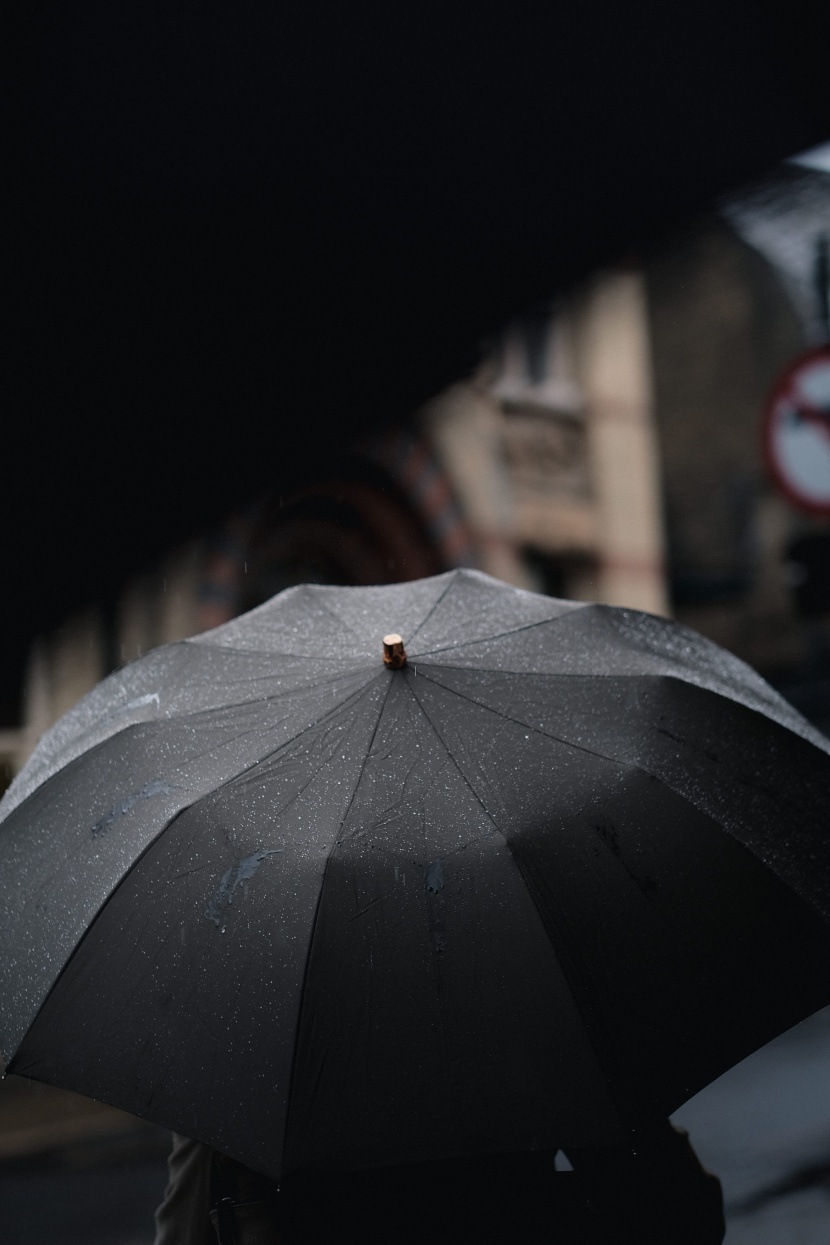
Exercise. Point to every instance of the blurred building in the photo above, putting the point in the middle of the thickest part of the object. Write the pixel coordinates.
(733, 300)
(608, 449)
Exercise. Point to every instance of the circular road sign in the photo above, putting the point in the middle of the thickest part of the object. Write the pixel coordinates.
(797, 431)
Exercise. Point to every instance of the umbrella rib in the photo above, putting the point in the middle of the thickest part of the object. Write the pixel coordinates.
(257, 678)
(270, 698)
(186, 808)
(316, 916)
(263, 652)
(559, 949)
(634, 766)
(319, 601)
(499, 635)
(731, 695)
(569, 743)
(266, 756)
(365, 760)
(431, 610)
(457, 767)
(220, 786)
(196, 714)
(725, 693)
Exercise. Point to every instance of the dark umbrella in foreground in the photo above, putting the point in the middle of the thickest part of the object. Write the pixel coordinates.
(537, 884)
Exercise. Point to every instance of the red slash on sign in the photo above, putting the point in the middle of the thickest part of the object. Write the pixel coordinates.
(796, 431)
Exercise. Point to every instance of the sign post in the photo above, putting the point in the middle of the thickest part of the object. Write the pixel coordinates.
(796, 431)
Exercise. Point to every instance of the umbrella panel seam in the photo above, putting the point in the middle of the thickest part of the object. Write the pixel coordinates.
(641, 767)
(530, 888)
(315, 918)
(500, 635)
(185, 808)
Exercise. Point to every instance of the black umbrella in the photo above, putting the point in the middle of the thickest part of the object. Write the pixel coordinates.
(538, 876)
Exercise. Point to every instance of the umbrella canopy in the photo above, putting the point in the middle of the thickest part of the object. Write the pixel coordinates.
(540, 874)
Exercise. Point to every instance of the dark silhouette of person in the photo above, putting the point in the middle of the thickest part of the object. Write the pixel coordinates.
(656, 1193)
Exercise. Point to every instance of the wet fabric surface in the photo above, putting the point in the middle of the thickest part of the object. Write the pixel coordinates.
(382, 916)
(63, 851)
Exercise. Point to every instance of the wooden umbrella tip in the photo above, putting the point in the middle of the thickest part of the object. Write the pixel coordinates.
(394, 653)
